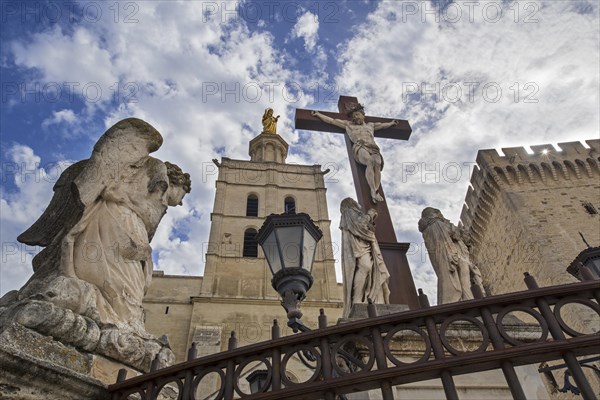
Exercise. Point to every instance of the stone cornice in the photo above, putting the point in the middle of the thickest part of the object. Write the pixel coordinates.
(263, 166)
(271, 302)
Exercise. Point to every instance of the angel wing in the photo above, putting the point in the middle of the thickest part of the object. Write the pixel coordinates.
(116, 156)
(62, 213)
(117, 153)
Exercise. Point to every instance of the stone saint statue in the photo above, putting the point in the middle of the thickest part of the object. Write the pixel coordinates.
(365, 150)
(365, 274)
(447, 246)
(269, 121)
(97, 260)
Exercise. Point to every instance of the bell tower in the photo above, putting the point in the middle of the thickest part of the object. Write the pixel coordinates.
(235, 292)
(248, 191)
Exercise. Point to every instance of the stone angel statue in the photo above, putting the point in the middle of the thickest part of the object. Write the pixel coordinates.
(96, 231)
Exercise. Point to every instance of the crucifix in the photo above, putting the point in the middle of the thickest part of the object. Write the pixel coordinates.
(366, 165)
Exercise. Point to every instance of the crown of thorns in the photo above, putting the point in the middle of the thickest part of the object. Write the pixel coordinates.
(353, 107)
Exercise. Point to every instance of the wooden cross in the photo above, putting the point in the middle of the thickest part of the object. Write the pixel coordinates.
(402, 286)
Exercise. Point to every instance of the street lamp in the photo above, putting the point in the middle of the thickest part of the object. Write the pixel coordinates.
(590, 258)
(289, 243)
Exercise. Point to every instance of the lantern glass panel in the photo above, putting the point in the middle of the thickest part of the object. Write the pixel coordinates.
(308, 251)
(290, 243)
(594, 265)
(272, 252)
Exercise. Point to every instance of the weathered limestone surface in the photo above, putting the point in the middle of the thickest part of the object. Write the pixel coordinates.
(525, 211)
(36, 367)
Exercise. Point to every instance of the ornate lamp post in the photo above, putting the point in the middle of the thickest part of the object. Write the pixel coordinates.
(289, 243)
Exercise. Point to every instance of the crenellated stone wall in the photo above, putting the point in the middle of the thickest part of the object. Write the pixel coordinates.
(525, 212)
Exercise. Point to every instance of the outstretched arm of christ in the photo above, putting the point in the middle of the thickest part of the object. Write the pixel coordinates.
(384, 125)
(337, 122)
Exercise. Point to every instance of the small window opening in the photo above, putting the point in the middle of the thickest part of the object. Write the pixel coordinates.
(289, 205)
(252, 206)
(250, 244)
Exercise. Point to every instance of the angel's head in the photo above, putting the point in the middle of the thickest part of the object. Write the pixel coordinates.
(179, 184)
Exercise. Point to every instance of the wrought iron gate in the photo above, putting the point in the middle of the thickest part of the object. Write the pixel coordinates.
(376, 367)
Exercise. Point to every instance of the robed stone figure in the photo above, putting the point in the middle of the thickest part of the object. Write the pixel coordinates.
(449, 254)
(365, 274)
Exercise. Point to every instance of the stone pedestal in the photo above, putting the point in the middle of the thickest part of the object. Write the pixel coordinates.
(38, 367)
(24, 377)
(359, 311)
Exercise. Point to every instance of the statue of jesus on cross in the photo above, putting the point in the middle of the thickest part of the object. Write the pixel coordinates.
(366, 163)
(364, 148)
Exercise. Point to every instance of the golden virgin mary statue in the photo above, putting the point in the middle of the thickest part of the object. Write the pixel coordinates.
(269, 121)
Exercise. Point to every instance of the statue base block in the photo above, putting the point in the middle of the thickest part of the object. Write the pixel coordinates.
(26, 378)
(359, 311)
(35, 366)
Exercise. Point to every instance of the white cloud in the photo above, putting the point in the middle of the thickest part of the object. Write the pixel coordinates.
(307, 28)
(21, 207)
(72, 65)
(193, 81)
(171, 73)
(67, 116)
(553, 61)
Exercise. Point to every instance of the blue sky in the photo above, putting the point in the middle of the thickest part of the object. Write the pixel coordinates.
(468, 76)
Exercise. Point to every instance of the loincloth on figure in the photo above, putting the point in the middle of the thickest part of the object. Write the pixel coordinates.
(371, 148)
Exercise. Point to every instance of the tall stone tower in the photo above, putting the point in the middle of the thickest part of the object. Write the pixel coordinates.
(235, 292)
(525, 212)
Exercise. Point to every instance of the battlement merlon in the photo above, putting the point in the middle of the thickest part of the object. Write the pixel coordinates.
(519, 155)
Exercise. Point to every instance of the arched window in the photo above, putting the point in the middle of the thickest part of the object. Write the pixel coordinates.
(250, 244)
(252, 206)
(289, 205)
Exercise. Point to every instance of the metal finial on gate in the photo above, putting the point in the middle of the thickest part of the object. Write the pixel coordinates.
(371, 310)
(275, 330)
(122, 375)
(423, 300)
(530, 281)
(232, 341)
(322, 319)
(192, 352)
